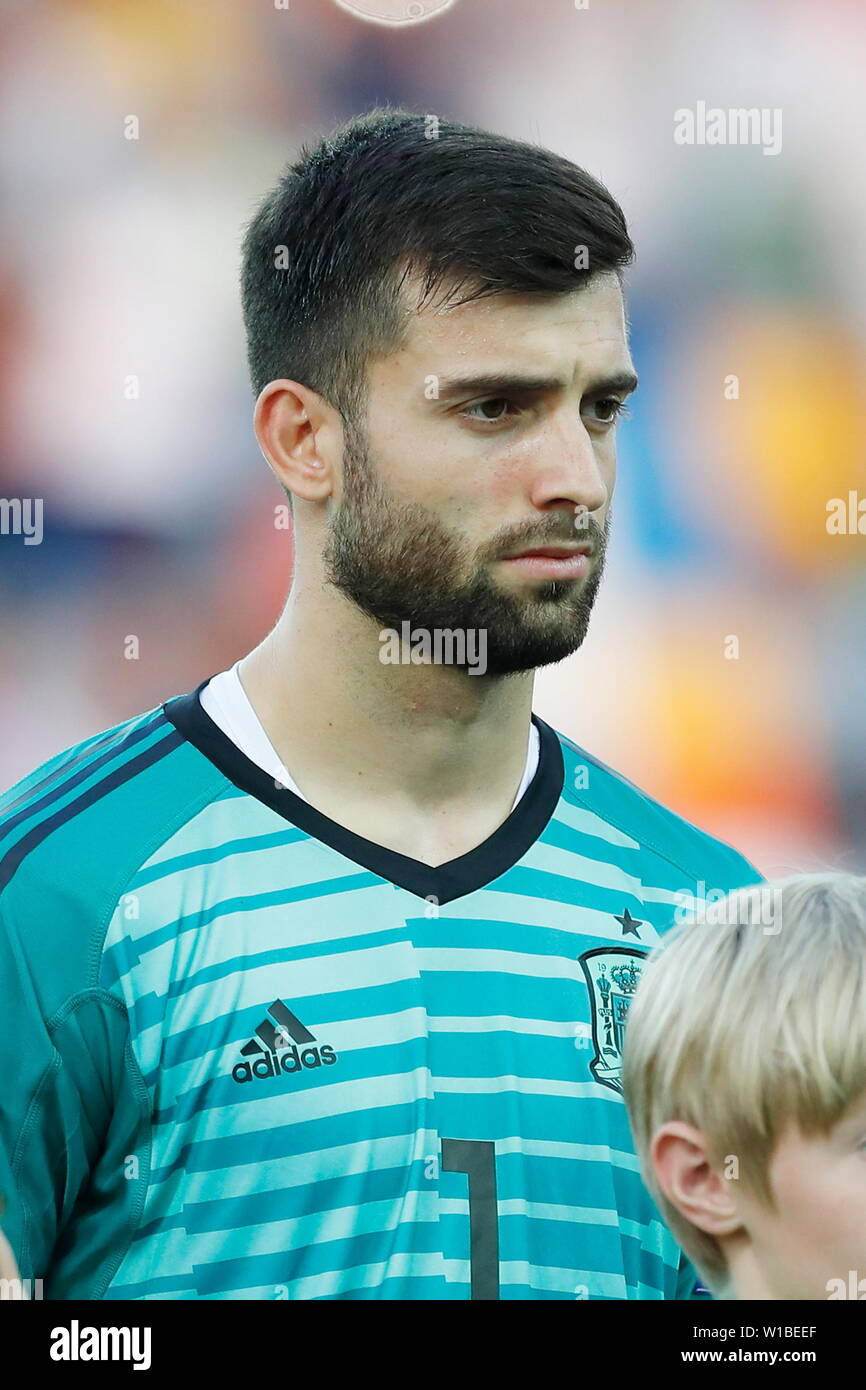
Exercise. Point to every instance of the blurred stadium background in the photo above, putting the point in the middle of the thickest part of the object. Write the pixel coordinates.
(120, 257)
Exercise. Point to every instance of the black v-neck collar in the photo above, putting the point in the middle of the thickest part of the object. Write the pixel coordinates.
(444, 882)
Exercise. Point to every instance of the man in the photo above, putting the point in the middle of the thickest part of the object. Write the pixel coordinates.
(323, 968)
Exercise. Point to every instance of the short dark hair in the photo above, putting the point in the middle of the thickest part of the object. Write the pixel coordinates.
(326, 253)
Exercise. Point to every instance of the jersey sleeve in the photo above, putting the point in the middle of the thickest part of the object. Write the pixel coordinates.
(65, 1100)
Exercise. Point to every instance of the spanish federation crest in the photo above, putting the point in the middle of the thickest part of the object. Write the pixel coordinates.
(613, 974)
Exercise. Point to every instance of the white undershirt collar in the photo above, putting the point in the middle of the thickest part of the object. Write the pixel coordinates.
(227, 704)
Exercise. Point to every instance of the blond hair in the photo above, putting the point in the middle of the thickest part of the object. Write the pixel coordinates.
(748, 1016)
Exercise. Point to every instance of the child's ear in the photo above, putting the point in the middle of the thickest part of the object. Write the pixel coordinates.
(680, 1159)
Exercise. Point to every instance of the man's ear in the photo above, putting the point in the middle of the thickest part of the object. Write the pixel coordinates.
(690, 1181)
(301, 437)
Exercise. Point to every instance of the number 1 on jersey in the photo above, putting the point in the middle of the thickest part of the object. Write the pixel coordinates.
(477, 1158)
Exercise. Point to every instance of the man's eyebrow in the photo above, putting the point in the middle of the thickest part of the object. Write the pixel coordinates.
(504, 384)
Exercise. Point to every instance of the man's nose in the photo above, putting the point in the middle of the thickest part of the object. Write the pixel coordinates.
(567, 469)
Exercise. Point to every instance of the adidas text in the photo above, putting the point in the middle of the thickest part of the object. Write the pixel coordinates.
(287, 1059)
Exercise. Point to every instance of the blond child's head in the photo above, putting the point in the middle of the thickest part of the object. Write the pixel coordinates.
(745, 1079)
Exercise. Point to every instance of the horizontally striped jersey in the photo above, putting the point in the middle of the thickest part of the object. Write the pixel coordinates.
(248, 1054)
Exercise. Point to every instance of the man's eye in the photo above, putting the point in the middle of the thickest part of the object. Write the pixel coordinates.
(495, 410)
(491, 409)
(611, 407)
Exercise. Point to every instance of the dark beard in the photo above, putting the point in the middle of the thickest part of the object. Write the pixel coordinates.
(398, 564)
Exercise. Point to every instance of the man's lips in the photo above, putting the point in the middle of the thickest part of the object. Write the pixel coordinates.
(553, 561)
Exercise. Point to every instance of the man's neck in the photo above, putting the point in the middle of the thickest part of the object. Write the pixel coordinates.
(423, 759)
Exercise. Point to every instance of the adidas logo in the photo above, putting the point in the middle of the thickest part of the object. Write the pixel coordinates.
(277, 1052)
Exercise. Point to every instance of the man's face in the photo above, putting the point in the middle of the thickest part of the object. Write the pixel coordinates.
(489, 434)
(818, 1231)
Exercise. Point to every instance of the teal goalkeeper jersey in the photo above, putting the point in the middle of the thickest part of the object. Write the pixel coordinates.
(248, 1054)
